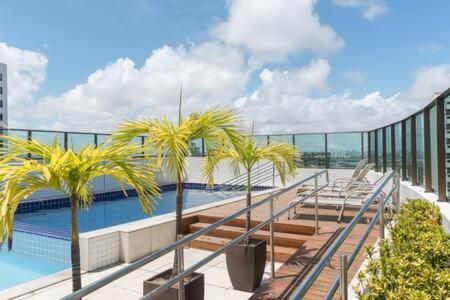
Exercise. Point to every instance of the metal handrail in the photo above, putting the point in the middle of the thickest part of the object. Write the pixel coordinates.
(189, 238)
(300, 292)
(358, 246)
(242, 177)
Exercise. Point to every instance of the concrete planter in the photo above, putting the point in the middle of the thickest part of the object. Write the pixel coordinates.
(194, 288)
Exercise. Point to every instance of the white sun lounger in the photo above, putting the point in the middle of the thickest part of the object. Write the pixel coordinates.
(352, 194)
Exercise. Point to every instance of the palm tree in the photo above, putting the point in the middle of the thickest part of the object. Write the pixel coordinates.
(72, 174)
(170, 143)
(245, 154)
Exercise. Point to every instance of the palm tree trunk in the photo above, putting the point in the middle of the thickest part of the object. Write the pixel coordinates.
(178, 219)
(248, 203)
(75, 246)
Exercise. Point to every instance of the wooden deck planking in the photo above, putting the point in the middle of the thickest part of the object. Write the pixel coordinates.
(273, 289)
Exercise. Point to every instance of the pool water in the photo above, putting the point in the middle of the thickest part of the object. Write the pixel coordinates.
(16, 268)
(109, 213)
(29, 258)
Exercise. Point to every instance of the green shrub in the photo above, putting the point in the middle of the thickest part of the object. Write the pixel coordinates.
(414, 262)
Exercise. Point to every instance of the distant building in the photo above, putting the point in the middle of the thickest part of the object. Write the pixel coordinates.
(3, 95)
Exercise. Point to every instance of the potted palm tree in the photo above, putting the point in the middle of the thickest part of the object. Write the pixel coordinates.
(72, 174)
(246, 261)
(171, 144)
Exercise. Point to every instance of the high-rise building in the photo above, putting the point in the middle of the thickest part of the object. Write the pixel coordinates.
(3, 95)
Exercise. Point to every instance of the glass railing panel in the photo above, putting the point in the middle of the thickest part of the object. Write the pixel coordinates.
(286, 138)
(372, 146)
(77, 141)
(47, 137)
(14, 133)
(137, 140)
(380, 149)
(102, 139)
(260, 139)
(408, 149)
(195, 147)
(433, 149)
(398, 147)
(365, 144)
(344, 149)
(388, 149)
(420, 150)
(447, 143)
(312, 148)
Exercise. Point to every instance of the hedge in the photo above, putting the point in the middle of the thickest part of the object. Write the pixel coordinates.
(414, 263)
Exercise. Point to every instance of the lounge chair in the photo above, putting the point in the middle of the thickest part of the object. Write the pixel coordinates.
(353, 193)
(341, 184)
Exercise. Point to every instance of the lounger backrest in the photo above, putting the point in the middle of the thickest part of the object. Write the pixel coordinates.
(359, 167)
(363, 172)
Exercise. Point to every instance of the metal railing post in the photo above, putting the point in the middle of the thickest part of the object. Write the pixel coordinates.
(272, 243)
(180, 265)
(381, 200)
(316, 204)
(343, 276)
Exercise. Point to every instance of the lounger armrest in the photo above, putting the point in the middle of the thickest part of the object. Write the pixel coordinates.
(342, 180)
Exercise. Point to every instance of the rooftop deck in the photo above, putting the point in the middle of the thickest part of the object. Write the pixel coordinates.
(301, 260)
(296, 260)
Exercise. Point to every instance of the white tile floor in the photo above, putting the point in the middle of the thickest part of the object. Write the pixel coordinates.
(217, 282)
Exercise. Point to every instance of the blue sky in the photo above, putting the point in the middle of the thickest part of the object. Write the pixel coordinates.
(381, 53)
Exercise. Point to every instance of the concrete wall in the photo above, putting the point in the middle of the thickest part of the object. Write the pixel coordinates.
(222, 173)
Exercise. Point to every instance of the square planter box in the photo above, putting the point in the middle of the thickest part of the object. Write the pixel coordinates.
(246, 264)
(194, 287)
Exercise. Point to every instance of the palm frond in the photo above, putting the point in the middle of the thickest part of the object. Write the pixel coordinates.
(246, 153)
(69, 172)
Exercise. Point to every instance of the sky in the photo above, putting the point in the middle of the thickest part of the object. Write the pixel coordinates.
(291, 66)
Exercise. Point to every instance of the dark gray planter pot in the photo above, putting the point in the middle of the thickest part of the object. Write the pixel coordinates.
(193, 290)
(246, 264)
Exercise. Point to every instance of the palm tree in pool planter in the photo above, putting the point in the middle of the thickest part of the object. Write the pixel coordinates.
(28, 166)
(170, 143)
(246, 262)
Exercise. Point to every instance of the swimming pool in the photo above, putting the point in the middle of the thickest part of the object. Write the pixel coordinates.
(34, 255)
(109, 213)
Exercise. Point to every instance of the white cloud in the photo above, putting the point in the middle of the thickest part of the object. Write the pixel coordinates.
(284, 102)
(356, 76)
(26, 74)
(370, 9)
(273, 29)
(211, 75)
(430, 49)
(428, 82)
